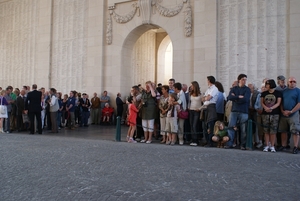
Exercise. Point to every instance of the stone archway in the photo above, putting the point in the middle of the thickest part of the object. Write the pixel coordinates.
(141, 51)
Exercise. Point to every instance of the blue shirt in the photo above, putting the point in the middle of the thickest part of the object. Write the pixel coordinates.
(220, 103)
(291, 97)
(240, 104)
(71, 101)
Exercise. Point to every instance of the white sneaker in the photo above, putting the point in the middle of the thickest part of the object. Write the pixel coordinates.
(131, 140)
(259, 145)
(181, 142)
(273, 150)
(148, 142)
(266, 149)
(193, 144)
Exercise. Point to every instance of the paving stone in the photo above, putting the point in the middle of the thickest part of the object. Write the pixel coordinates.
(89, 165)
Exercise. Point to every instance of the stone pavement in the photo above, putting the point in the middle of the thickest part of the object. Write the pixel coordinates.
(87, 164)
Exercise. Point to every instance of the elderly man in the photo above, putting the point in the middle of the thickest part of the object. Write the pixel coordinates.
(289, 121)
(95, 105)
(104, 99)
(240, 97)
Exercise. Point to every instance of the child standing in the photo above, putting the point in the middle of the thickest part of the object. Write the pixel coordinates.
(132, 110)
(172, 119)
(220, 134)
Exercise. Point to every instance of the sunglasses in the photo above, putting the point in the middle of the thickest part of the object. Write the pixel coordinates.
(292, 81)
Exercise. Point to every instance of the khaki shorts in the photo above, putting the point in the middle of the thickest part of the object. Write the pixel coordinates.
(291, 124)
(270, 123)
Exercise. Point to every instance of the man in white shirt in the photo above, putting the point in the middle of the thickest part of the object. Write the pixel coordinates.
(210, 114)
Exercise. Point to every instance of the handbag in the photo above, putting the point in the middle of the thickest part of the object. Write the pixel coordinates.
(3, 108)
(183, 114)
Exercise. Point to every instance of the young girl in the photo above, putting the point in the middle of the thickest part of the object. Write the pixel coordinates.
(171, 121)
(131, 119)
(220, 134)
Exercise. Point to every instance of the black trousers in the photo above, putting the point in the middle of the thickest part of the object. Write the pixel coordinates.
(37, 115)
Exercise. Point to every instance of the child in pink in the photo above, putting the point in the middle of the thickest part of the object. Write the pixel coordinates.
(131, 120)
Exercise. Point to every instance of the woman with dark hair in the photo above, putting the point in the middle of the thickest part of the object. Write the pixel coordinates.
(270, 101)
(220, 104)
(194, 106)
(163, 105)
(54, 107)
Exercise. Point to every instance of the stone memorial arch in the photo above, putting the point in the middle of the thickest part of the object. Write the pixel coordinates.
(96, 45)
(138, 38)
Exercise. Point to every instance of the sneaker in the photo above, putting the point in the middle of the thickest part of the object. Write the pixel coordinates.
(266, 149)
(243, 148)
(181, 142)
(193, 144)
(143, 141)
(282, 148)
(273, 149)
(148, 142)
(138, 139)
(234, 145)
(131, 141)
(168, 142)
(295, 150)
(172, 143)
(259, 145)
(127, 138)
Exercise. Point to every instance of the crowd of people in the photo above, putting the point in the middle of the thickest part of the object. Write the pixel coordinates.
(37, 109)
(176, 113)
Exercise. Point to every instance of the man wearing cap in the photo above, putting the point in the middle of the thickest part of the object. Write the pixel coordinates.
(289, 121)
(85, 104)
(281, 83)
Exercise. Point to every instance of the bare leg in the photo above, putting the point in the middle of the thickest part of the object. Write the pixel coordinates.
(146, 134)
(283, 139)
(150, 136)
(296, 140)
(272, 139)
(267, 139)
(132, 131)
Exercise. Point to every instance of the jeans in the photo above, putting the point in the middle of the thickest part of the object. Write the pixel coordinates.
(7, 122)
(194, 123)
(85, 117)
(59, 119)
(239, 120)
(208, 126)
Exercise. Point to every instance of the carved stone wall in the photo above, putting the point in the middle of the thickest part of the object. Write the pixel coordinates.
(69, 44)
(18, 35)
(143, 60)
(252, 39)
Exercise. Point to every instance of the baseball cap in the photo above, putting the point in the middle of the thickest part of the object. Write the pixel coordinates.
(280, 77)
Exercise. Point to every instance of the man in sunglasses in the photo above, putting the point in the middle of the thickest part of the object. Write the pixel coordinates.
(289, 122)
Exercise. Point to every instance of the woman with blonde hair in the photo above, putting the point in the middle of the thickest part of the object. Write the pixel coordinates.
(3, 109)
(220, 134)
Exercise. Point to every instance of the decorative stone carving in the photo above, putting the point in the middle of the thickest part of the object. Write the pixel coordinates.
(126, 18)
(145, 8)
(168, 12)
(109, 30)
(188, 20)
